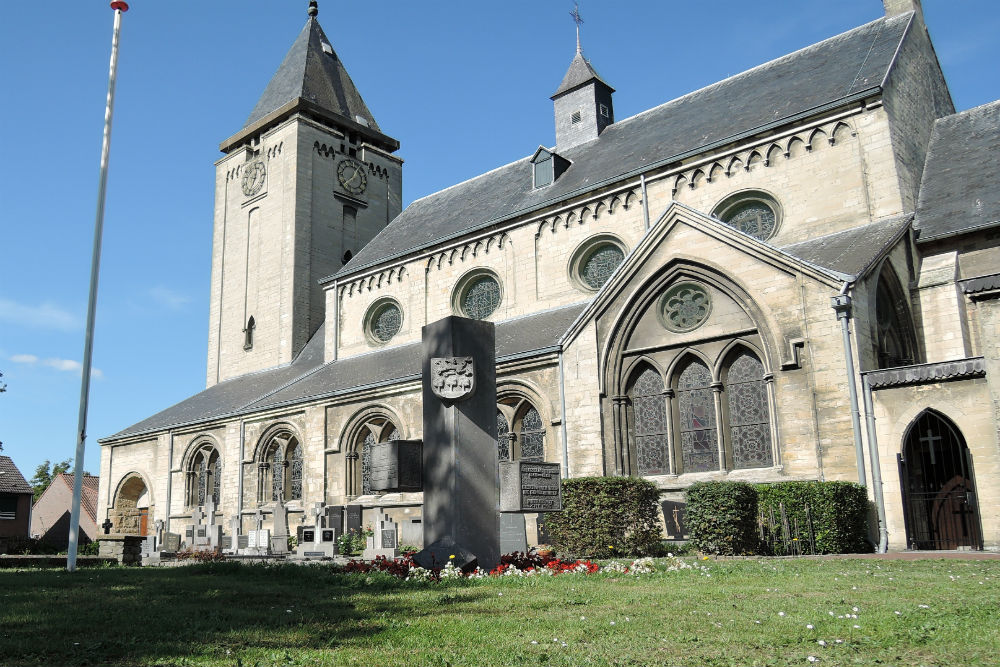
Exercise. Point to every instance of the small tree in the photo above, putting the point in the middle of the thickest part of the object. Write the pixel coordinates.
(43, 476)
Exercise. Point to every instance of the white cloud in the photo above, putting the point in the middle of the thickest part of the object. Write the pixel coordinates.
(24, 359)
(168, 298)
(63, 364)
(41, 316)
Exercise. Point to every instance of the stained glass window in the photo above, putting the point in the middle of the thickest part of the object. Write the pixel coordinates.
(600, 264)
(295, 472)
(748, 417)
(366, 464)
(650, 423)
(216, 479)
(277, 464)
(754, 218)
(481, 297)
(532, 436)
(698, 435)
(685, 307)
(202, 478)
(386, 322)
(503, 437)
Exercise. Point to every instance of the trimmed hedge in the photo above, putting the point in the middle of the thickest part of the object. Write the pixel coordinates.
(839, 512)
(722, 517)
(607, 516)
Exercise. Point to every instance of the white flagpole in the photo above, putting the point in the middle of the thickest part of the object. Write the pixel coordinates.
(95, 265)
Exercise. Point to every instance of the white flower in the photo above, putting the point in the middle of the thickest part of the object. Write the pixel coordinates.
(813, 658)
(533, 641)
(809, 625)
(612, 622)
(897, 613)
(781, 613)
(857, 627)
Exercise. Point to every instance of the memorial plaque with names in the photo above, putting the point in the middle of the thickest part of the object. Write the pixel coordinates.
(308, 535)
(242, 541)
(389, 538)
(329, 535)
(530, 487)
(397, 466)
(512, 533)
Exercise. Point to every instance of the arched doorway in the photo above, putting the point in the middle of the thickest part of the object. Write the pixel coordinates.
(938, 485)
(130, 515)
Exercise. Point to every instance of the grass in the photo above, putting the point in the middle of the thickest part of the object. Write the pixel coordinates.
(747, 612)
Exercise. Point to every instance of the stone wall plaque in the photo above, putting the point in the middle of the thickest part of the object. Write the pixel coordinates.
(452, 378)
(242, 541)
(354, 518)
(389, 538)
(513, 536)
(530, 487)
(397, 465)
(308, 535)
(171, 542)
(329, 534)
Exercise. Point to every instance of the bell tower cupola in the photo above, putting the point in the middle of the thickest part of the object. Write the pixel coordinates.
(583, 106)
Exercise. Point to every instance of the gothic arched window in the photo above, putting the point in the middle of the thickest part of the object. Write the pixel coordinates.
(203, 476)
(895, 341)
(520, 431)
(649, 423)
(280, 469)
(532, 436)
(749, 424)
(503, 437)
(696, 405)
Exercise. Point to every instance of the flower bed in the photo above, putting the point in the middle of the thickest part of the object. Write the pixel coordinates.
(517, 564)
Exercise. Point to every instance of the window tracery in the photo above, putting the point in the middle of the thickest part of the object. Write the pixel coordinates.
(280, 469)
(696, 404)
(650, 423)
(204, 473)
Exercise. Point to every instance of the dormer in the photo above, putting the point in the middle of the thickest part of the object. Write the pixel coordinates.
(582, 104)
(546, 167)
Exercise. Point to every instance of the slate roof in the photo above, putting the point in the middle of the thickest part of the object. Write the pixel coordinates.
(959, 191)
(973, 367)
(851, 251)
(11, 479)
(307, 377)
(825, 75)
(580, 72)
(311, 70)
(981, 284)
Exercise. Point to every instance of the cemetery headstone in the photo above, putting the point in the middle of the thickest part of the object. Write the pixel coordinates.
(234, 532)
(513, 536)
(543, 532)
(673, 518)
(242, 542)
(383, 541)
(353, 519)
(279, 538)
(411, 532)
(171, 542)
(459, 453)
(335, 518)
(314, 542)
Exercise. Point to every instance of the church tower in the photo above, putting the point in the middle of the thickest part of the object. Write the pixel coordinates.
(307, 181)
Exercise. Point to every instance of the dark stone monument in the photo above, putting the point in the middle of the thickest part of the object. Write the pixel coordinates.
(335, 518)
(512, 533)
(353, 514)
(527, 486)
(171, 542)
(460, 514)
(543, 532)
(673, 519)
(397, 466)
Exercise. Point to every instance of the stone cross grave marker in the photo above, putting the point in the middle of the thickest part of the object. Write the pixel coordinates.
(460, 484)
(383, 541)
(317, 512)
(279, 538)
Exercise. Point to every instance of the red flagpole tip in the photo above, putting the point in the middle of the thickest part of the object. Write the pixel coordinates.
(119, 5)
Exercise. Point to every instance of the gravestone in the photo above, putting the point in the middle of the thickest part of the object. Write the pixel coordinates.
(171, 542)
(149, 548)
(383, 541)
(353, 513)
(279, 537)
(317, 542)
(673, 518)
(234, 533)
(242, 542)
(527, 486)
(227, 543)
(513, 536)
(396, 466)
(542, 531)
(460, 514)
(259, 542)
(335, 518)
(158, 531)
(411, 533)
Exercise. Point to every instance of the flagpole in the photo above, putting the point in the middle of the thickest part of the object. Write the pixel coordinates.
(95, 265)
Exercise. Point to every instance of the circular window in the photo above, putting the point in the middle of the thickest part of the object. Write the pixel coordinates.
(753, 213)
(384, 320)
(479, 296)
(594, 260)
(684, 307)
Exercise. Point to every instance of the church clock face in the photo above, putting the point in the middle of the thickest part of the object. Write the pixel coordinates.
(253, 177)
(351, 175)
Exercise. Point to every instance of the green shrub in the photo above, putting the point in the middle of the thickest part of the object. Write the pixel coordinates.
(606, 516)
(722, 517)
(838, 513)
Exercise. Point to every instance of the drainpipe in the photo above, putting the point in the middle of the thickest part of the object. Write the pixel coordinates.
(842, 305)
(883, 531)
(239, 474)
(645, 202)
(562, 400)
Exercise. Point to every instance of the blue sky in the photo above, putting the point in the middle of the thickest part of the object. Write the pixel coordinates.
(464, 86)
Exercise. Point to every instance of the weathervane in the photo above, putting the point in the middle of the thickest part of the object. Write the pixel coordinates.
(577, 19)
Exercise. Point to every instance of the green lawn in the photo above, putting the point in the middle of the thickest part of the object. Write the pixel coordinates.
(745, 612)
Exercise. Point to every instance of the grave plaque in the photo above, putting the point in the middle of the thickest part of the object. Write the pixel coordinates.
(397, 466)
(242, 541)
(335, 517)
(354, 518)
(308, 535)
(329, 535)
(389, 538)
(171, 542)
(512, 533)
(530, 487)
(227, 542)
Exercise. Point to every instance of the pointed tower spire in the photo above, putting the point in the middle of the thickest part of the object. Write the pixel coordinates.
(313, 79)
(583, 100)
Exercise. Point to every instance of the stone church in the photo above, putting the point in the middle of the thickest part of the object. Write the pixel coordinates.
(791, 274)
